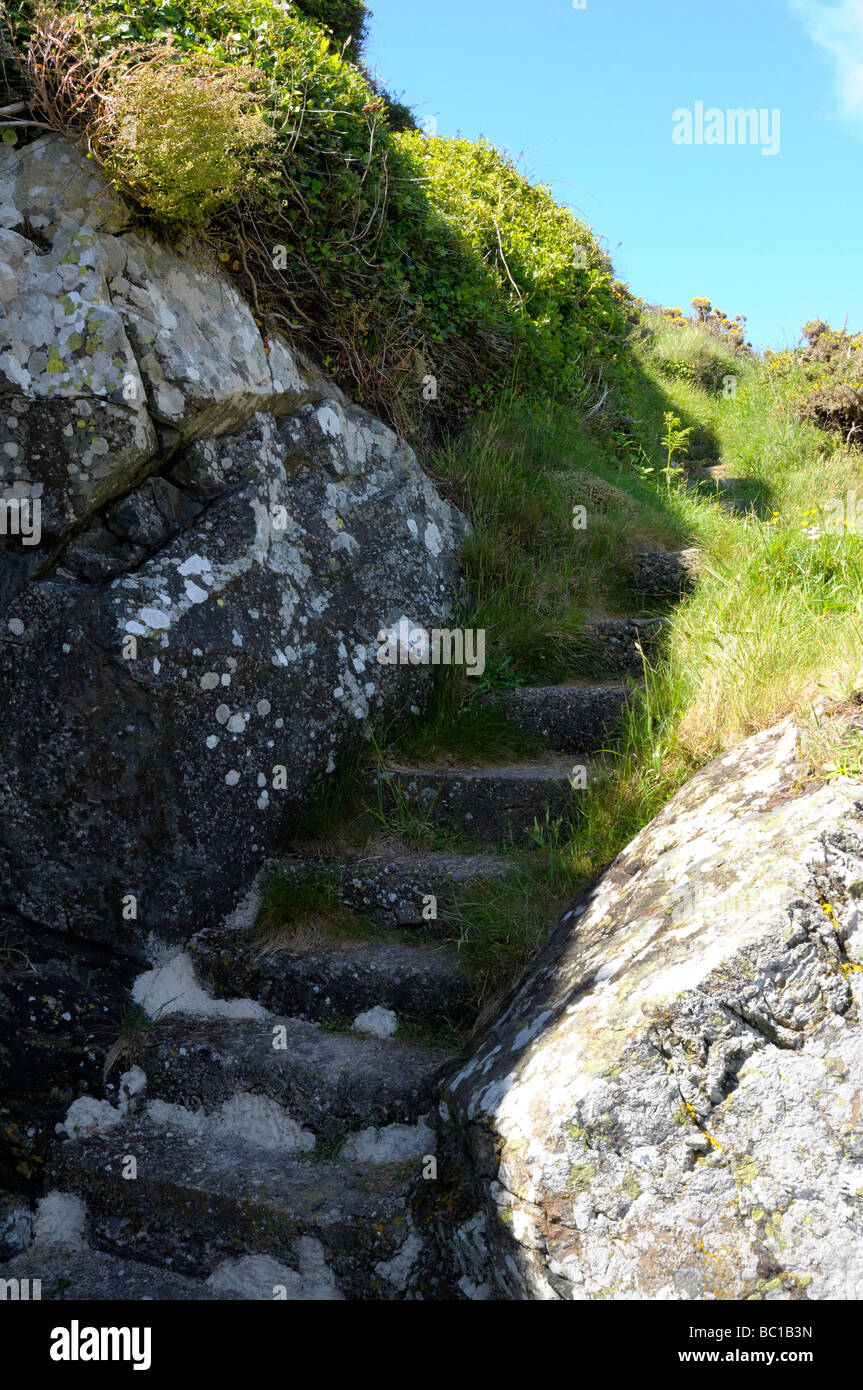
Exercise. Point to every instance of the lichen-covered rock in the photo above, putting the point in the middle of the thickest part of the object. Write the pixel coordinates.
(223, 539)
(115, 348)
(61, 1002)
(668, 1105)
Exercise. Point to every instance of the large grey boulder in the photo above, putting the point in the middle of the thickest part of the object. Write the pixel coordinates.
(193, 639)
(668, 1106)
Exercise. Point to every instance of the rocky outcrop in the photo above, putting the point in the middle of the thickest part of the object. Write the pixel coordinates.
(668, 1105)
(207, 542)
(190, 638)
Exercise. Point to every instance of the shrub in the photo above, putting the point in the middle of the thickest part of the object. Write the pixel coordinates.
(178, 138)
(345, 20)
(815, 329)
(824, 380)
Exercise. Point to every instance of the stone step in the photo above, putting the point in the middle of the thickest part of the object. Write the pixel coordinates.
(329, 1082)
(734, 494)
(392, 889)
(95, 1276)
(493, 803)
(609, 646)
(665, 574)
(420, 984)
(571, 718)
(700, 449)
(196, 1203)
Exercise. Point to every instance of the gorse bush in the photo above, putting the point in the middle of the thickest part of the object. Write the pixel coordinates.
(425, 274)
(178, 139)
(824, 380)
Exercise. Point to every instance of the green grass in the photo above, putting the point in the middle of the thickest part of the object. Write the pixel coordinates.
(435, 1032)
(833, 741)
(536, 578)
(499, 925)
(303, 910)
(391, 814)
(134, 1025)
(458, 727)
(691, 354)
(774, 624)
(776, 615)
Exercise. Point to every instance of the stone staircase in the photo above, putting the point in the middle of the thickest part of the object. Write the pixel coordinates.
(273, 1133)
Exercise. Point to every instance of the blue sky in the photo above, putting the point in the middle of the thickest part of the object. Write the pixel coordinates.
(589, 95)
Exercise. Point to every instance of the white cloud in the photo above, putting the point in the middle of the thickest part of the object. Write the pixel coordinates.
(837, 29)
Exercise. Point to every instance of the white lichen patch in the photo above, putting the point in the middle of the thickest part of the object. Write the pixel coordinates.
(377, 1022)
(392, 1144)
(60, 1221)
(262, 1277)
(244, 1119)
(261, 1122)
(172, 987)
(87, 1115)
(398, 1270)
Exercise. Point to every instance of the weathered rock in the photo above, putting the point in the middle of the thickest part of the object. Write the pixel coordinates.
(61, 1003)
(151, 513)
(113, 339)
(419, 983)
(15, 1224)
(494, 803)
(197, 1203)
(665, 574)
(97, 554)
(329, 1082)
(395, 891)
(173, 712)
(571, 718)
(668, 1104)
(75, 1276)
(616, 647)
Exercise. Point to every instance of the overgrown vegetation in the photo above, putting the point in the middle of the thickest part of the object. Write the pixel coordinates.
(824, 379)
(426, 274)
(180, 140)
(520, 472)
(773, 627)
(686, 350)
